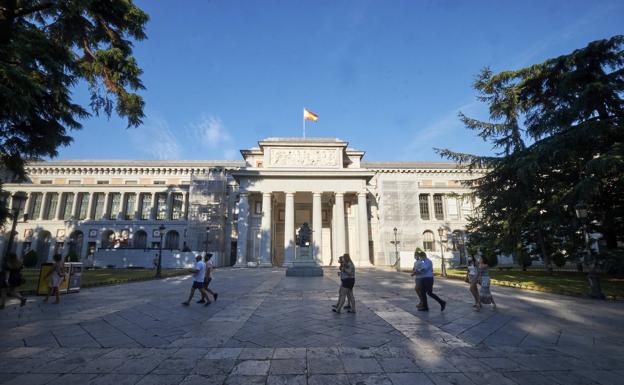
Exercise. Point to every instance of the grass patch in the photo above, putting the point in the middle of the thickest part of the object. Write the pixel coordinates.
(560, 282)
(98, 277)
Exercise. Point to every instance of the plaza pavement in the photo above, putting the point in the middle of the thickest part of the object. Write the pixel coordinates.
(270, 329)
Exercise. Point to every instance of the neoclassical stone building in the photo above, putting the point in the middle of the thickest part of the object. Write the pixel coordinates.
(247, 212)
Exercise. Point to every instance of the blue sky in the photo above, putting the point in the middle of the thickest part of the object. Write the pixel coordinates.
(387, 76)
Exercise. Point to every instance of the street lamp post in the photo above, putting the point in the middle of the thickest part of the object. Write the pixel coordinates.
(397, 259)
(161, 230)
(595, 290)
(16, 205)
(207, 238)
(441, 234)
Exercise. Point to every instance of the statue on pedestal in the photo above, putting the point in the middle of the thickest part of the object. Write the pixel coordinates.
(304, 235)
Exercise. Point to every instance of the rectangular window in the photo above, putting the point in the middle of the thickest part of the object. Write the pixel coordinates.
(424, 206)
(68, 203)
(130, 206)
(178, 206)
(258, 208)
(146, 205)
(115, 205)
(46, 181)
(35, 205)
(73, 181)
(83, 205)
(161, 206)
(102, 182)
(159, 182)
(131, 182)
(452, 207)
(50, 210)
(98, 200)
(438, 206)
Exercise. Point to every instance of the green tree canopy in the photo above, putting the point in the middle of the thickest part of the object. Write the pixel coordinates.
(46, 47)
(558, 129)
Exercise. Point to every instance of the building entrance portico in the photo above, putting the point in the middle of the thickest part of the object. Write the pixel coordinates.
(322, 189)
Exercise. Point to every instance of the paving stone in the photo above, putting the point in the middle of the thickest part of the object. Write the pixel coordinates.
(281, 353)
(409, 379)
(196, 379)
(213, 367)
(252, 368)
(223, 353)
(116, 379)
(325, 365)
(361, 365)
(398, 365)
(175, 366)
(72, 379)
(281, 379)
(450, 379)
(32, 379)
(161, 379)
(328, 379)
(245, 380)
(288, 366)
(490, 378)
(256, 354)
(369, 379)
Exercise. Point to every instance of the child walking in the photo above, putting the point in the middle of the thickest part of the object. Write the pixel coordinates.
(55, 277)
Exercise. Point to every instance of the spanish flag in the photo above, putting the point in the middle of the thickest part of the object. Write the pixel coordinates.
(309, 115)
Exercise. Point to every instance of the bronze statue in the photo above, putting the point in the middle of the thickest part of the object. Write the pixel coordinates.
(303, 235)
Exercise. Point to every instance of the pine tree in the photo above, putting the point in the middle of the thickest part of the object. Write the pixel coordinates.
(46, 48)
(558, 128)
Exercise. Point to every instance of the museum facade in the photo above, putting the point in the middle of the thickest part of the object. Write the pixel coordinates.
(248, 212)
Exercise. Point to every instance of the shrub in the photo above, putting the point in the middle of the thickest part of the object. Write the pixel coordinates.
(524, 260)
(72, 257)
(30, 259)
(559, 259)
(186, 249)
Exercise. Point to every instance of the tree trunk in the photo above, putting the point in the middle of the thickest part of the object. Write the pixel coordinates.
(545, 253)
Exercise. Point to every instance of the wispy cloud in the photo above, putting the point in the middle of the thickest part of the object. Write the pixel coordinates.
(155, 139)
(210, 132)
(435, 134)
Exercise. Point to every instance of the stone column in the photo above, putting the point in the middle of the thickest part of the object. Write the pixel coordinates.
(154, 206)
(363, 229)
(27, 204)
(340, 224)
(289, 229)
(317, 227)
(120, 215)
(186, 205)
(59, 205)
(44, 204)
(90, 208)
(74, 214)
(243, 226)
(169, 205)
(137, 206)
(265, 229)
(108, 205)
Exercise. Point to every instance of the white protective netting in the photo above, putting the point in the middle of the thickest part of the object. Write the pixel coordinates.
(207, 209)
(399, 209)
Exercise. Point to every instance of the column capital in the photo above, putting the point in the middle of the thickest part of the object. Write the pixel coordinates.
(267, 193)
(362, 193)
(339, 194)
(317, 193)
(243, 193)
(289, 193)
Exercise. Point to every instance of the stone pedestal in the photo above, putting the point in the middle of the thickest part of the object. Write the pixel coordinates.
(304, 264)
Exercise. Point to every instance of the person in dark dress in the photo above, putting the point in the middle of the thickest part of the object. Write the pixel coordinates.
(11, 279)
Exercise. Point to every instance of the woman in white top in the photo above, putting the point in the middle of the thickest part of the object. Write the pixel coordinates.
(472, 277)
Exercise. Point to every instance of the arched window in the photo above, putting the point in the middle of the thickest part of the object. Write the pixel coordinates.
(75, 242)
(108, 239)
(428, 241)
(459, 244)
(140, 239)
(172, 240)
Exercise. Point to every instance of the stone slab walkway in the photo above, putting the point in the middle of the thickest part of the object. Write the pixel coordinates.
(267, 328)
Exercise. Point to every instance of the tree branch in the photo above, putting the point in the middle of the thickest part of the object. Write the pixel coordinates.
(39, 7)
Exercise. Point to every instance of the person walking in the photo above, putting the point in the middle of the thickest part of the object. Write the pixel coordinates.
(11, 279)
(342, 290)
(484, 279)
(55, 278)
(472, 278)
(208, 277)
(347, 277)
(427, 283)
(418, 276)
(199, 273)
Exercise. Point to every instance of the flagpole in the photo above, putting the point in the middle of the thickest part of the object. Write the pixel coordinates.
(304, 124)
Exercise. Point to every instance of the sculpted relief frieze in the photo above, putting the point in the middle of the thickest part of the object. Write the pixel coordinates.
(297, 157)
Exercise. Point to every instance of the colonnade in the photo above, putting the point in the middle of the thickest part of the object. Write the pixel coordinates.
(265, 255)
